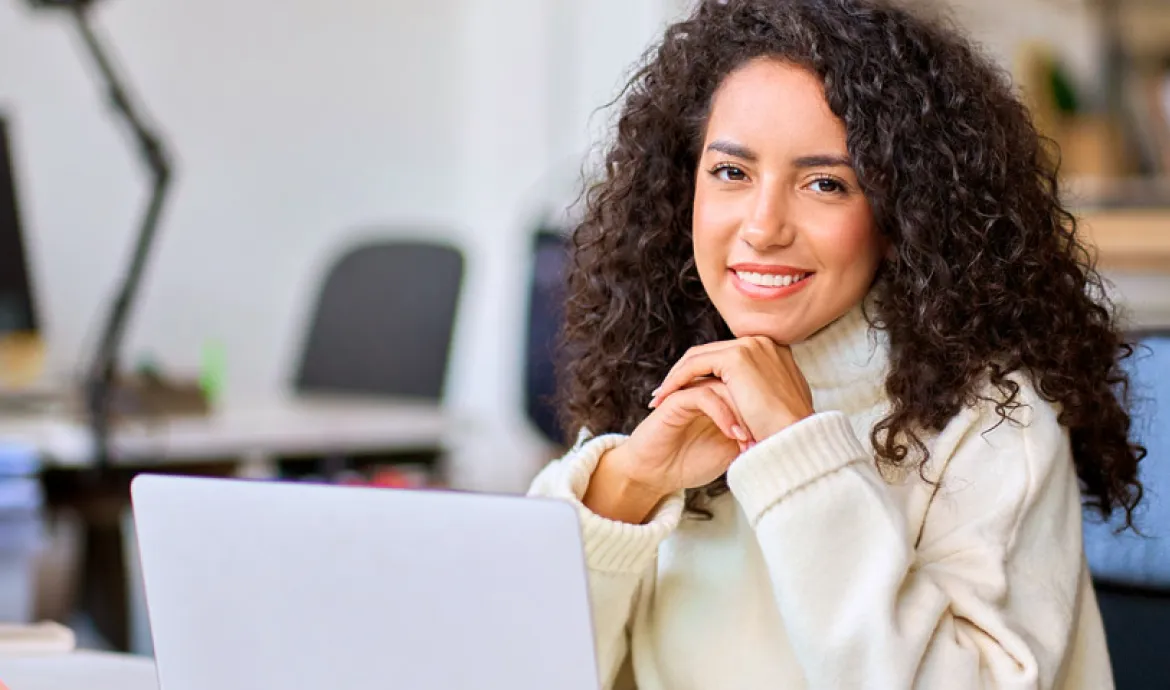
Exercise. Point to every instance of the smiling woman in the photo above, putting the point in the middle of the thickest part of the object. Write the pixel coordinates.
(840, 367)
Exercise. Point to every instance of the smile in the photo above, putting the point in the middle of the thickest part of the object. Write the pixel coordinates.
(768, 286)
(770, 280)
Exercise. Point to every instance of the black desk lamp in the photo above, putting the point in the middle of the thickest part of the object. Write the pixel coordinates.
(102, 370)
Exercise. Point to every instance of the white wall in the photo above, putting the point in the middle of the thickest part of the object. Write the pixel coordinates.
(293, 123)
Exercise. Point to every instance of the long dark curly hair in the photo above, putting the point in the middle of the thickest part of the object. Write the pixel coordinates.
(987, 275)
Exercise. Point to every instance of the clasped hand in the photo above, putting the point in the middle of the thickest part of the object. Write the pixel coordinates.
(717, 401)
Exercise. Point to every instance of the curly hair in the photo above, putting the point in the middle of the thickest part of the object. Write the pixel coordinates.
(987, 274)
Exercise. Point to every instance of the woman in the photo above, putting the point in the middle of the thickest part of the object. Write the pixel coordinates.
(829, 251)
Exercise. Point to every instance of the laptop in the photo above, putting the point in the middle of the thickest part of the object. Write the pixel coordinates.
(254, 584)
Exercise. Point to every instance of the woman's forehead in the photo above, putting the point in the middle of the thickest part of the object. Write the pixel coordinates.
(768, 103)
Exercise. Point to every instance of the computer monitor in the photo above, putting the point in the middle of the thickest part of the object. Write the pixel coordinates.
(17, 310)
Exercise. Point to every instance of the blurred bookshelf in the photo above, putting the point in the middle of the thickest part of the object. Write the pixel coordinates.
(1127, 221)
(1114, 136)
(1129, 239)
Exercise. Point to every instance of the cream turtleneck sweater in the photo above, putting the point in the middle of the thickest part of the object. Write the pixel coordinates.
(818, 572)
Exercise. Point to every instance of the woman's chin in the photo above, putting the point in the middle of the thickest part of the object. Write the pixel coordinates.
(754, 327)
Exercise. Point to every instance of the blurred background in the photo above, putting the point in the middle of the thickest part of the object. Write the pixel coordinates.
(355, 275)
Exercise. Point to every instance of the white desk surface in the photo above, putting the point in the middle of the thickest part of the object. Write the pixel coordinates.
(78, 671)
(242, 428)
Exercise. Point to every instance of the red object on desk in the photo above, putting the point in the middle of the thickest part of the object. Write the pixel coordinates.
(390, 478)
(383, 478)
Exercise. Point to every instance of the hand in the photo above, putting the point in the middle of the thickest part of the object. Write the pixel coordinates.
(688, 441)
(767, 390)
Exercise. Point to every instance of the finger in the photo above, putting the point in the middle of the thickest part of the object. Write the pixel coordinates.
(700, 350)
(740, 430)
(713, 363)
(789, 363)
(659, 396)
(687, 370)
(739, 346)
(686, 405)
(721, 410)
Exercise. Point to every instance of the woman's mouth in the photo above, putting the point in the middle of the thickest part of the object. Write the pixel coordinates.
(769, 285)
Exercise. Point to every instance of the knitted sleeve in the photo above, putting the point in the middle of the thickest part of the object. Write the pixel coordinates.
(619, 556)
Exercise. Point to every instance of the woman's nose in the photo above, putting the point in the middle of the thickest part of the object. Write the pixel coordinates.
(766, 225)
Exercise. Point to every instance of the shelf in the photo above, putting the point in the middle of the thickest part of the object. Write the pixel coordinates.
(1136, 240)
(1117, 192)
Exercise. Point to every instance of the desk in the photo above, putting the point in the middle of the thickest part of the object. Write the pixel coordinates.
(79, 671)
(251, 429)
(242, 428)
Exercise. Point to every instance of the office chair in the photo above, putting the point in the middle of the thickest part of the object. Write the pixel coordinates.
(382, 326)
(383, 321)
(1131, 573)
(546, 298)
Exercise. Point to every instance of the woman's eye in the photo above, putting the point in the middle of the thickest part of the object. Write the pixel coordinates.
(729, 173)
(827, 185)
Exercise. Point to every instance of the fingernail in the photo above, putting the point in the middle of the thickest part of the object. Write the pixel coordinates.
(653, 402)
(739, 432)
(656, 391)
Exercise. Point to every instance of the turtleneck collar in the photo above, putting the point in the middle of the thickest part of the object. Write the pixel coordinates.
(845, 364)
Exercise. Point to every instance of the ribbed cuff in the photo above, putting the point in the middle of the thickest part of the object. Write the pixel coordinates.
(810, 449)
(611, 546)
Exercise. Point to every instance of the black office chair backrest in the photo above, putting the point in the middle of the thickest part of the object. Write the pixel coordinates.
(1132, 572)
(384, 320)
(546, 301)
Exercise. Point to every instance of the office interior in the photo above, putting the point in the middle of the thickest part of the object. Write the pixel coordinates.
(356, 272)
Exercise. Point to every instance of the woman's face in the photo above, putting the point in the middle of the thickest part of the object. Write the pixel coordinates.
(784, 239)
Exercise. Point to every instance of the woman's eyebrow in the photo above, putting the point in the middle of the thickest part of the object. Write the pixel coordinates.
(823, 161)
(733, 149)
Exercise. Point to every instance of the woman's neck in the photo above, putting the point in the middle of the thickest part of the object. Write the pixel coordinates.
(845, 364)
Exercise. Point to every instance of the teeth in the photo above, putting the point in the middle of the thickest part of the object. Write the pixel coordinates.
(766, 280)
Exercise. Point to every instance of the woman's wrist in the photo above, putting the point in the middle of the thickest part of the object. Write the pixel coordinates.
(615, 493)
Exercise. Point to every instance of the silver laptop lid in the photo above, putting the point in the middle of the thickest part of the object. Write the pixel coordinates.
(274, 585)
